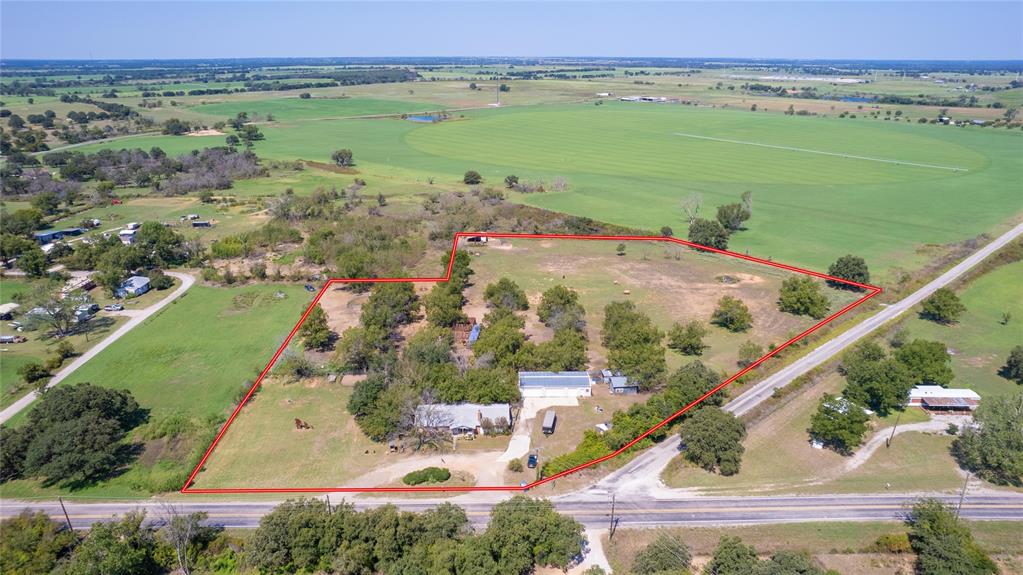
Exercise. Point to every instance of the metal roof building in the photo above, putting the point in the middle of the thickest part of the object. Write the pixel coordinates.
(939, 398)
(555, 383)
(462, 417)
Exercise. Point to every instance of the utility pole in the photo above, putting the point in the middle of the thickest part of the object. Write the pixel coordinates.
(327, 497)
(66, 518)
(611, 527)
(962, 494)
(888, 442)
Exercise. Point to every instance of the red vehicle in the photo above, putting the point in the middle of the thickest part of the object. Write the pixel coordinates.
(115, 202)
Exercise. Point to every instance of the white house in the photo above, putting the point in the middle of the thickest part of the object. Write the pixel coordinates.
(462, 417)
(555, 384)
(937, 398)
(133, 286)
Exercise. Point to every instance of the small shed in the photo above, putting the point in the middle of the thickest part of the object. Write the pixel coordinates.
(620, 385)
(550, 421)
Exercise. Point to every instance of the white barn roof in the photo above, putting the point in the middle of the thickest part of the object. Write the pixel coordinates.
(936, 391)
(554, 379)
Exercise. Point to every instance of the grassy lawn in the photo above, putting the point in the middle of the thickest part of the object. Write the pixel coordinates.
(915, 462)
(334, 451)
(844, 545)
(979, 341)
(12, 286)
(196, 354)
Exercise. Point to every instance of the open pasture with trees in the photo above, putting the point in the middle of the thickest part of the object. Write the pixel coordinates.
(633, 164)
(985, 334)
(668, 282)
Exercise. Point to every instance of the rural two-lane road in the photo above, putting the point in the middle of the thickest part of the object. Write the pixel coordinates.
(592, 512)
(136, 318)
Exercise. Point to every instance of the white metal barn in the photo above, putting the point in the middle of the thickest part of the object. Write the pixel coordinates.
(555, 383)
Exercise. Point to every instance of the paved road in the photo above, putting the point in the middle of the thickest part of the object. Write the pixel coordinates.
(764, 389)
(137, 317)
(592, 512)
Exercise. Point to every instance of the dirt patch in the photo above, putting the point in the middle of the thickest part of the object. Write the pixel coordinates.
(207, 132)
(343, 308)
(330, 167)
(162, 449)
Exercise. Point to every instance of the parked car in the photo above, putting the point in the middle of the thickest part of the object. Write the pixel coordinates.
(113, 307)
(532, 461)
(310, 287)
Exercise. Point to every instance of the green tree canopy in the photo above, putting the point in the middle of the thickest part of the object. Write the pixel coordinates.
(994, 450)
(731, 557)
(801, 295)
(315, 332)
(665, 555)
(839, 424)
(687, 339)
(732, 216)
(708, 233)
(390, 304)
(849, 267)
(928, 361)
(505, 293)
(713, 440)
(943, 306)
(732, 314)
(943, 544)
(1013, 368)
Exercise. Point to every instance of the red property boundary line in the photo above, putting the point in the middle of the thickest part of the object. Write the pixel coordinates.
(188, 489)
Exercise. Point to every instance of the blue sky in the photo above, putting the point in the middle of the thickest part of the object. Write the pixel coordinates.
(758, 29)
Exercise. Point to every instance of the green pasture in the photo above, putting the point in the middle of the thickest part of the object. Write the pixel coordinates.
(625, 164)
(193, 358)
(980, 343)
(294, 108)
(196, 354)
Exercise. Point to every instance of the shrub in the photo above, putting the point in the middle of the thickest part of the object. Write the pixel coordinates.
(515, 466)
(427, 475)
(472, 177)
(892, 543)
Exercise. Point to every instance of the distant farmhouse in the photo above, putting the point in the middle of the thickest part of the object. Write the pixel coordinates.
(463, 417)
(555, 384)
(133, 286)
